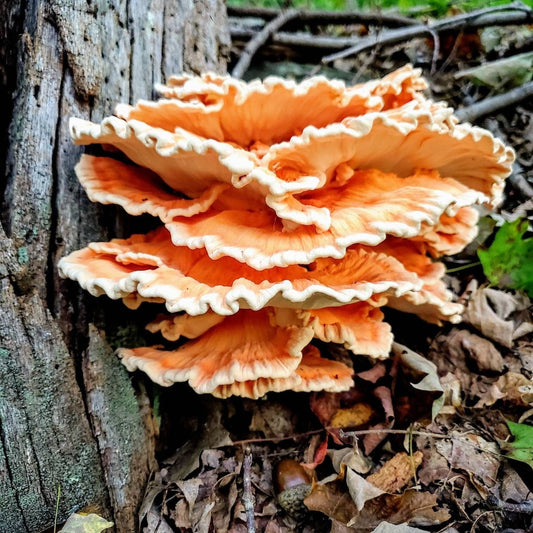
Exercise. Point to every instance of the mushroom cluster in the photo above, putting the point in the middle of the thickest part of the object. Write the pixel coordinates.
(290, 211)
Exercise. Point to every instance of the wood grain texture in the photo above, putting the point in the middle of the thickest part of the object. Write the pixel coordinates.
(70, 415)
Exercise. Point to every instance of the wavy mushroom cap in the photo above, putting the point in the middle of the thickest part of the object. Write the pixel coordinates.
(150, 268)
(359, 327)
(433, 301)
(269, 111)
(421, 135)
(314, 373)
(243, 347)
(255, 352)
(291, 211)
(365, 208)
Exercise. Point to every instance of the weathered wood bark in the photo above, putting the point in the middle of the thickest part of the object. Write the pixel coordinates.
(69, 414)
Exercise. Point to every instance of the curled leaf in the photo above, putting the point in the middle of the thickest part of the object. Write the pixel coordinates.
(420, 365)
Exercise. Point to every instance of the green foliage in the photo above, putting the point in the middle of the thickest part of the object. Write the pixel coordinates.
(508, 262)
(521, 449)
(508, 72)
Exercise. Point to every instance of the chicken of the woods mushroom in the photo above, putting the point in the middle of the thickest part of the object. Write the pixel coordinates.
(289, 212)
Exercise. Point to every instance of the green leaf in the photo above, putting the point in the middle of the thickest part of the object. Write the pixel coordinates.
(509, 72)
(86, 523)
(508, 262)
(521, 449)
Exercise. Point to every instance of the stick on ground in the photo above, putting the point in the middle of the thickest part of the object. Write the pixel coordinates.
(260, 39)
(515, 13)
(316, 18)
(495, 103)
(248, 499)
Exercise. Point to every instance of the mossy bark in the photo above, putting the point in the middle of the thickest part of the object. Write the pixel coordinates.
(70, 415)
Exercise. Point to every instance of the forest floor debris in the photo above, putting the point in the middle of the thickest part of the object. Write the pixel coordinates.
(438, 437)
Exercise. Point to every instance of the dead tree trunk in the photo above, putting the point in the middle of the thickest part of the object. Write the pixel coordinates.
(69, 414)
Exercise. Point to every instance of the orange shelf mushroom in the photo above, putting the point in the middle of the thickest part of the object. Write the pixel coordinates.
(290, 211)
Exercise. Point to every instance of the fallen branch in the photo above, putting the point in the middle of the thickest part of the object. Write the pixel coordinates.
(495, 103)
(525, 507)
(261, 38)
(316, 18)
(518, 13)
(247, 494)
(299, 39)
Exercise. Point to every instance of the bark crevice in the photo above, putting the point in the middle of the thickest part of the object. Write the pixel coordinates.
(66, 402)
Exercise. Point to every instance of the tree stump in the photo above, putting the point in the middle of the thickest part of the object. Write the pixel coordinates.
(70, 417)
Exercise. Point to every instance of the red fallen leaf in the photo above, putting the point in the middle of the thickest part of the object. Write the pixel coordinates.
(324, 405)
(321, 453)
(373, 440)
(378, 371)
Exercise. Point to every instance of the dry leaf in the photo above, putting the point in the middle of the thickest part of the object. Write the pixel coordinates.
(372, 440)
(480, 351)
(513, 487)
(488, 396)
(86, 523)
(352, 458)
(515, 388)
(333, 500)
(507, 72)
(181, 514)
(525, 352)
(500, 316)
(396, 473)
(385, 527)
(274, 527)
(202, 526)
(378, 371)
(190, 490)
(316, 452)
(156, 522)
(324, 405)
(361, 490)
(411, 507)
(355, 416)
(425, 370)
(475, 456)
(337, 527)
(449, 353)
(273, 419)
(212, 435)
(452, 391)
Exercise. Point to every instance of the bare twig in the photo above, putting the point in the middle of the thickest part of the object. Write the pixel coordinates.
(261, 38)
(359, 432)
(296, 436)
(299, 39)
(453, 52)
(436, 50)
(515, 13)
(247, 494)
(355, 433)
(316, 18)
(525, 507)
(339, 43)
(495, 103)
